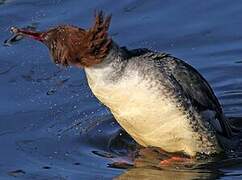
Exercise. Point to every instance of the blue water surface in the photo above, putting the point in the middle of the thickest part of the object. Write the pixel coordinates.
(50, 123)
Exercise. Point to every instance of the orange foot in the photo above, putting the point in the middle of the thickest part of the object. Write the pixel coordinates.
(175, 160)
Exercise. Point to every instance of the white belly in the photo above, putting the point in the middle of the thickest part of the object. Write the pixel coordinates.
(149, 118)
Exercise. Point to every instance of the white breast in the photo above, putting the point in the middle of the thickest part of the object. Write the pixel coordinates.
(150, 118)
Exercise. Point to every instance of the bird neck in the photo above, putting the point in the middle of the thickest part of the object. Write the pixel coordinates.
(110, 69)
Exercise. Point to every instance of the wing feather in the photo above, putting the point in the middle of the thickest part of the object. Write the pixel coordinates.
(197, 89)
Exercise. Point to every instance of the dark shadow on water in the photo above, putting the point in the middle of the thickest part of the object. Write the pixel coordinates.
(2, 1)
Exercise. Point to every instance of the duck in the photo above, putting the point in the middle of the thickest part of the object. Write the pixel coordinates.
(159, 100)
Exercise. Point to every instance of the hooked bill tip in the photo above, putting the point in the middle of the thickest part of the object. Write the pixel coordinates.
(14, 30)
(27, 33)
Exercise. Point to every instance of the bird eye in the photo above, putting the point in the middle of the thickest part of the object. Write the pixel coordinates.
(46, 37)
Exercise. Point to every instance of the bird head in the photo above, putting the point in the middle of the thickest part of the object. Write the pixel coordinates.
(71, 45)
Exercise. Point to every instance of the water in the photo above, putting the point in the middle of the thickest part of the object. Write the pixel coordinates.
(50, 123)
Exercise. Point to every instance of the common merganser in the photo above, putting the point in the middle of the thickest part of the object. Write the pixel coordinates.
(160, 100)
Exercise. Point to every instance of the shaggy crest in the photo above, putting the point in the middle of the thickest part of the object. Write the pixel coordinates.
(96, 43)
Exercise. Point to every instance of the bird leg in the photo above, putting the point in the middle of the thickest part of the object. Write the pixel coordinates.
(121, 163)
(175, 160)
(156, 157)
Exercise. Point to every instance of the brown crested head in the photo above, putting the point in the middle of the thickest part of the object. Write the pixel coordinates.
(70, 45)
